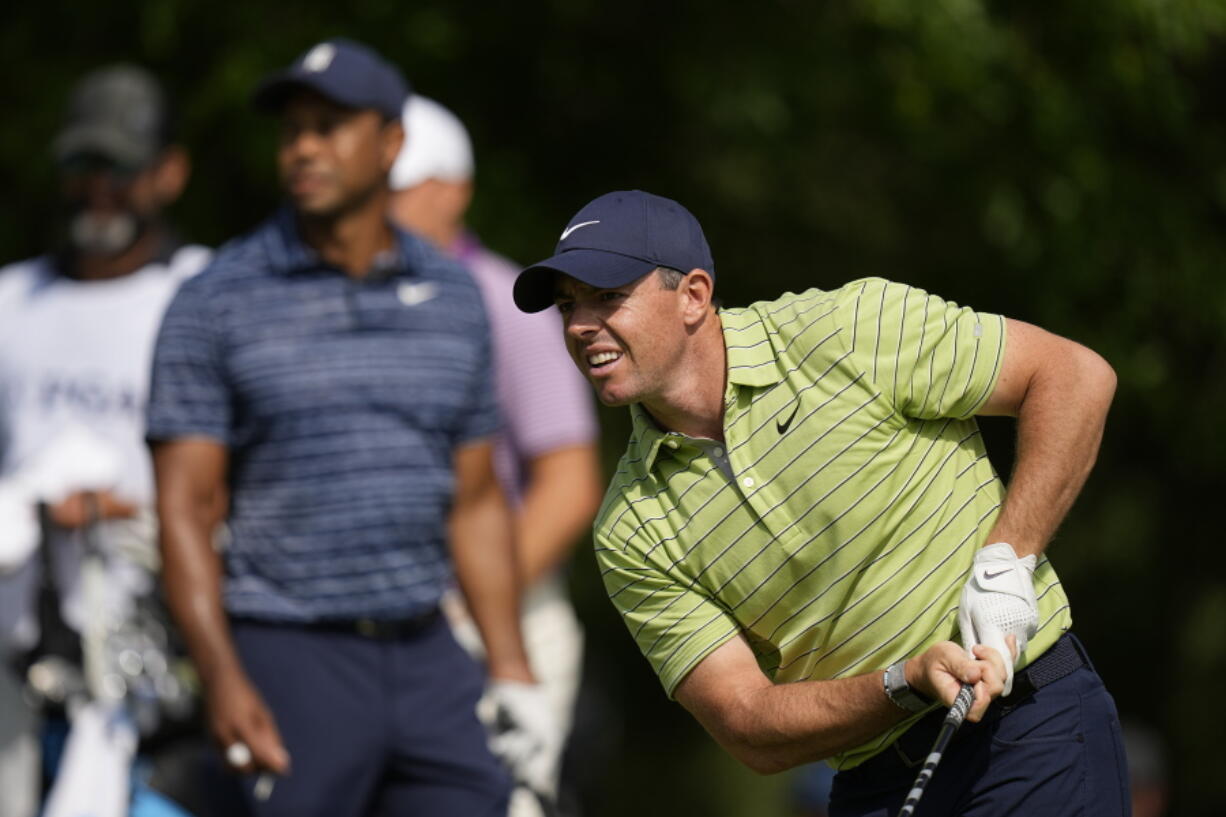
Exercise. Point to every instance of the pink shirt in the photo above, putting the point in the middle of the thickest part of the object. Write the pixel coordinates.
(545, 402)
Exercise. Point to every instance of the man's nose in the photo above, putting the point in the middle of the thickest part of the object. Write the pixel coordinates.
(581, 322)
(99, 189)
(305, 142)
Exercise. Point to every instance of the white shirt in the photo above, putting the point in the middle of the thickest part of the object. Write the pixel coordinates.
(77, 354)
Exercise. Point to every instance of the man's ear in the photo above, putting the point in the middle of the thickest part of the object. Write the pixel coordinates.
(170, 174)
(460, 196)
(697, 288)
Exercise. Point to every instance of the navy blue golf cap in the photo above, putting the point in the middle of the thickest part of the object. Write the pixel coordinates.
(616, 239)
(344, 71)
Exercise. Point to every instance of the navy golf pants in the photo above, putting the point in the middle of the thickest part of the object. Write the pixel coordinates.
(374, 726)
(1056, 753)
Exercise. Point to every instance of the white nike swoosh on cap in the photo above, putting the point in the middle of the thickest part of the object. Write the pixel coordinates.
(571, 229)
(414, 294)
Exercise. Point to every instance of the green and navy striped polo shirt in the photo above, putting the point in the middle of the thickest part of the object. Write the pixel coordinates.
(836, 524)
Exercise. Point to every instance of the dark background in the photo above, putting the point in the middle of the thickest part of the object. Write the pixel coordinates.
(1063, 164)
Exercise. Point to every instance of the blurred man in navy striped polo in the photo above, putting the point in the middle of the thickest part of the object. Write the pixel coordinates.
(331, 375)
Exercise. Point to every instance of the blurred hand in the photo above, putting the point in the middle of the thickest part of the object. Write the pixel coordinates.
(524, 734)
(237, 714)
(940, 671)
(998, 601)
(84, 507)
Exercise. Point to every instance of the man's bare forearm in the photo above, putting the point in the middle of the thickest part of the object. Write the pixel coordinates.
(772, 727)
(562, 498)
(782, 726)
(192, 577)
(191, 501)
(486, 569)
(1060, 423)
(483, 549)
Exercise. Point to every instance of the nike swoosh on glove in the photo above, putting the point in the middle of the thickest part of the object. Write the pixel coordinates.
(524, 733)
(998, 600)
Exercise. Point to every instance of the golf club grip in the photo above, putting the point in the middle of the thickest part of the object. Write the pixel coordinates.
(957, 714)
(961, 706)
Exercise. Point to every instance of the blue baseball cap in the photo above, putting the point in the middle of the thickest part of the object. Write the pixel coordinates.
(344, 71)
(615, 239)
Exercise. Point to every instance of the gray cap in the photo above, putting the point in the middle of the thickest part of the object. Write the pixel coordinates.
(118, 112)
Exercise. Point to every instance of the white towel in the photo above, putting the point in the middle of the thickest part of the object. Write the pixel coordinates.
(76, 459)
(94, 776)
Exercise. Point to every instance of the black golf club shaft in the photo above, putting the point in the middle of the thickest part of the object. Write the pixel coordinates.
(957, 714)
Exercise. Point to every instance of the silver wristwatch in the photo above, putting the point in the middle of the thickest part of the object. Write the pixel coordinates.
(900, 692)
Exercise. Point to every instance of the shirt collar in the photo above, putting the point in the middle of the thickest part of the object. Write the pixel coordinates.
(751, 362)
(466, 247)
(751, 356)
(288, 253)
(645, 437)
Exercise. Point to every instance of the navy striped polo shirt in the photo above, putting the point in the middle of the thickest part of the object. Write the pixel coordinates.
(341, 402)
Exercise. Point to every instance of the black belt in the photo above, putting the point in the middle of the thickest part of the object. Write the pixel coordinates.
(1059, 661)
(376, 629)
(380, 629)
(1065, 656)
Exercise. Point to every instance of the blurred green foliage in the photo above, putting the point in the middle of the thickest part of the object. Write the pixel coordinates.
(1062, 163)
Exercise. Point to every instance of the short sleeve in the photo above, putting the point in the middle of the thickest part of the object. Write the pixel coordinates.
(674, 625)
(931, 357)
(189, 393)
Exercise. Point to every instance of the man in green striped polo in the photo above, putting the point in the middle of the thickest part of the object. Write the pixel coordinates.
(805, 535)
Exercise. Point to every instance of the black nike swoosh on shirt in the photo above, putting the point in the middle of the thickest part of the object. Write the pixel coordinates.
(782, 425)
(987, 575)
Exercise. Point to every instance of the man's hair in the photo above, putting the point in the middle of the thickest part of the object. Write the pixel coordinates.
(669, 278)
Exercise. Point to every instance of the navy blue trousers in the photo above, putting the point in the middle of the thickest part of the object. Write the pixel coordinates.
(373, 726)
(1056, 753)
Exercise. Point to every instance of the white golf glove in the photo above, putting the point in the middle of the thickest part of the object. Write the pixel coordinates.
(998, 600)
(524, 733)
